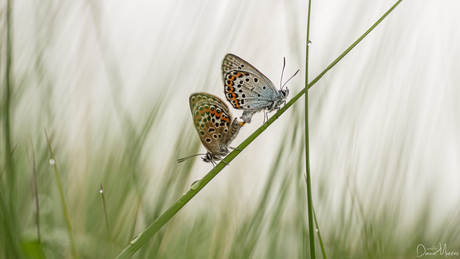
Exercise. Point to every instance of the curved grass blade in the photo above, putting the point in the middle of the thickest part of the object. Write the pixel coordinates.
(144, 236)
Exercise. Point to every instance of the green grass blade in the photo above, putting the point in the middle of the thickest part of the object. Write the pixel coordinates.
(107, 220)
(144, 236)
(9, 210)
(323, 251)
(63, 200)
(35, 192)
(311, 229)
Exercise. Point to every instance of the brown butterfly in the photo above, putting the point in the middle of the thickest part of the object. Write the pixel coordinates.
(214, 124)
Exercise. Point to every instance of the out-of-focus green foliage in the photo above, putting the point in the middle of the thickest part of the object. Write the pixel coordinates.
(104, 133)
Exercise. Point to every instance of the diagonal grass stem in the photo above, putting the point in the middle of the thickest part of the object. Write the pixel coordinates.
(153, 228)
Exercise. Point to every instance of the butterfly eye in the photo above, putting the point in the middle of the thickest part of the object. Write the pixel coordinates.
(285, 93)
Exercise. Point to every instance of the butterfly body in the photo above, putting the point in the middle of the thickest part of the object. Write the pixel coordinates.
(248, 89)
(214, 124)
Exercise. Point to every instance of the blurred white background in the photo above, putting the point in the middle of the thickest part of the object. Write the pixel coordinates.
(385, 120)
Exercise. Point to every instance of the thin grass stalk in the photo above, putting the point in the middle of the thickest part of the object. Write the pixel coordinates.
(9, 214)
(323, 251)
(144, 236)
(107, 220)
(6, 110)
(61, 192)
(34, 187)
(311, 228)
(11, 249)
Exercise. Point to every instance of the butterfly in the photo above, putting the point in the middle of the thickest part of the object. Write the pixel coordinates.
(248, 89)
(214, 124)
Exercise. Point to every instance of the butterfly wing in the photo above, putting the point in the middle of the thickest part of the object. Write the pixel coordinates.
(245, 87)
(233, 62)
(213, 122)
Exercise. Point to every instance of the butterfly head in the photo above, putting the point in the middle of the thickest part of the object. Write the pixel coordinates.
(284, 93)
(207, 157)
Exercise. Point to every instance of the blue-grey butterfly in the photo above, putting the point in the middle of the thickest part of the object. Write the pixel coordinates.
(246, 88)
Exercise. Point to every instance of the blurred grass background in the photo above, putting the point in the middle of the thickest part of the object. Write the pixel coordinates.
(110, 83)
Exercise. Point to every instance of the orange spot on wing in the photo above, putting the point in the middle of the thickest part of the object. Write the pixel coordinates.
(231, 92)
(233, 96)
(237, 105)
(225, 119)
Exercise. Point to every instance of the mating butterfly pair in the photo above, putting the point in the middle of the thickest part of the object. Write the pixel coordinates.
(245, 88)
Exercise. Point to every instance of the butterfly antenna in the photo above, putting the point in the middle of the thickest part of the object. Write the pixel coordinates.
(282, 72)
(180, 160)
(291, 78)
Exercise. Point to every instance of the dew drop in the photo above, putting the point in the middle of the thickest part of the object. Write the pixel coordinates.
(309, 43)
(135, 239)
(101, 191)
(316, 230)
(196, 184)
(52, 162)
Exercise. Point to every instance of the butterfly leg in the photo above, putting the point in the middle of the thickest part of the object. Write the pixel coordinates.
(234, 148)
(279, 108)
(265, 117)
(213, 165)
